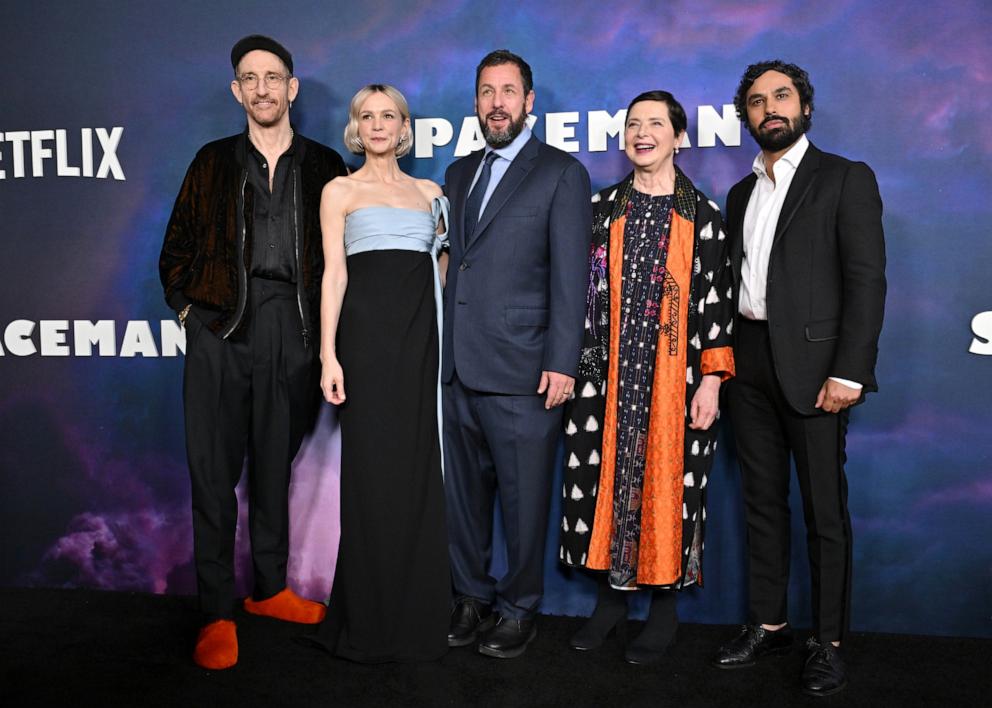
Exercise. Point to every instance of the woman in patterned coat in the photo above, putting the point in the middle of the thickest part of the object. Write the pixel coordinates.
(640, 429)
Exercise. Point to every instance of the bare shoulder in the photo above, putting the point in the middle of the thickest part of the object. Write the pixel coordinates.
(429, 188)
(337, 194)
(339, 185)
(338, 188)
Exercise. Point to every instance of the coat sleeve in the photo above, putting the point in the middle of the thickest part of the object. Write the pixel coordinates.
(862, 255)
(717, 318)
(570, 233)
(178, 247)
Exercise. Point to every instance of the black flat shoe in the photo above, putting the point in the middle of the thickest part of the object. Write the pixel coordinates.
(469, 619)
(753, 643)
(824, 673)
(509, 638)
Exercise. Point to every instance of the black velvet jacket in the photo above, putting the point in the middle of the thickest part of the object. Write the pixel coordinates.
(207, 249)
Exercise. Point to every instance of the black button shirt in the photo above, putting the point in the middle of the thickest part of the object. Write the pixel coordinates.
(273, 248)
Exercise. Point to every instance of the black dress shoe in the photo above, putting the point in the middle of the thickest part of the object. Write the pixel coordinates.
(509, 638)
(469, 619)
(824, 673)
(753, 643)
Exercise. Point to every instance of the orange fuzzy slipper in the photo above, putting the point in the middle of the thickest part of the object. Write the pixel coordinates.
(288, 606)
(217, 645)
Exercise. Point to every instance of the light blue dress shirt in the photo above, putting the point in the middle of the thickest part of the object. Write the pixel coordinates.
(500, 165)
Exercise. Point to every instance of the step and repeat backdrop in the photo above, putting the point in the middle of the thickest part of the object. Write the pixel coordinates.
(104, 105)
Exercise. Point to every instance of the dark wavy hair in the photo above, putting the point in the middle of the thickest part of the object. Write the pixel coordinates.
(800, 79)
(676, 113)
(505, 56)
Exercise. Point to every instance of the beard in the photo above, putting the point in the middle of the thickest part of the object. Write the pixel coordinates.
(779, 138)
(501, 138)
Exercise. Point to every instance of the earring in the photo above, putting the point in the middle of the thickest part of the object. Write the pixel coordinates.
(676, 151)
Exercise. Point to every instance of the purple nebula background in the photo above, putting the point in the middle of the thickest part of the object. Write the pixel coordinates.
(93, 483)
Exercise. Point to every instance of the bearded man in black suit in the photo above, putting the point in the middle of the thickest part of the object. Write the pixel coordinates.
(809, 264)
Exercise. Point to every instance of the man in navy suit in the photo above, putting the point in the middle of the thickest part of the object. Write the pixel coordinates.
(520, 228)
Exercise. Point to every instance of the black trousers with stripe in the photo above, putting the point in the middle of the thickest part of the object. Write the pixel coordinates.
(767, 430)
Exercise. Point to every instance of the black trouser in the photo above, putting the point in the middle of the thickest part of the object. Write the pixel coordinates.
(767, 429)
(251, 394)
(506, 443)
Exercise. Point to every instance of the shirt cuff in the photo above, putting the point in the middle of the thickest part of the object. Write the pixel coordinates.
(847, 382)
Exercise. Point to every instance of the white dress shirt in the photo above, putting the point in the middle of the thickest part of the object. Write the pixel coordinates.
(760, 222)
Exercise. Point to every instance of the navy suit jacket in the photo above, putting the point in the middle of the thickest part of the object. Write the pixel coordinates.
(514, 301)
(826, 276)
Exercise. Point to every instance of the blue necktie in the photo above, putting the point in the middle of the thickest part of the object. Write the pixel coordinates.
(474, 204)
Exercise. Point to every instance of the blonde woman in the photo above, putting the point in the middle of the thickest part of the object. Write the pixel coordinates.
(379, 348)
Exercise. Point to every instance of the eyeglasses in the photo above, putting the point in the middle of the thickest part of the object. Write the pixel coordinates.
(272, 80)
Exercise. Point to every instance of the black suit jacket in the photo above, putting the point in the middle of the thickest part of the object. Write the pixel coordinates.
(826, 275)
(515, 294)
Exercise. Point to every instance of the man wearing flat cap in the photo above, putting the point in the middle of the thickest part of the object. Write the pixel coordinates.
(241, 265)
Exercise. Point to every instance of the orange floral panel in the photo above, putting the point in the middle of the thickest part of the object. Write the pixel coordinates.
(660, 558)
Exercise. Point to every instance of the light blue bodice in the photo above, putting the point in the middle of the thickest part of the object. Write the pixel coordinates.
(381, 228)
(384, 228)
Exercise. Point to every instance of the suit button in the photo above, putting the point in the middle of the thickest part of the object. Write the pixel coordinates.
(463, 266)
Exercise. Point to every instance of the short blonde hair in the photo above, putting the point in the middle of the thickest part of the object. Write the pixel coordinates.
(351, 139)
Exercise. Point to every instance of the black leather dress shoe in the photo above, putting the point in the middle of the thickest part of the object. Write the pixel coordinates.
(509, 638)
(824, 673)
(753, 643)
(469, 619)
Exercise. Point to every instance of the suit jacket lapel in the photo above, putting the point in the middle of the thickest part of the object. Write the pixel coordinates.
(514, 176)
(471, 166)
(737, 210)
(801, 184)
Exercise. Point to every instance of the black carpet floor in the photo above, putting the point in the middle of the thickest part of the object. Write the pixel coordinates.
(86, 648)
